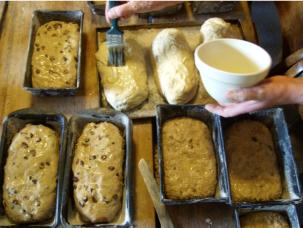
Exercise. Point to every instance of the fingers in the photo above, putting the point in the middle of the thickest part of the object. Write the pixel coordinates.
(132, 7)
(125, 10)
(246, 94)
(235, 109)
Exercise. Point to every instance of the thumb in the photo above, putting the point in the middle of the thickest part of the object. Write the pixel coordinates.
(247, 94)
(124, 10)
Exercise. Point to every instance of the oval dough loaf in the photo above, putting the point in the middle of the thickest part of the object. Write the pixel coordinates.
(97, 169)
(30, 174)
(216, 28)
(263, 219)
(125, 87)
(176, 74)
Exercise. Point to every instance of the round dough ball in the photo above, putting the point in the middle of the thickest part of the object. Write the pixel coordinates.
(216, 28)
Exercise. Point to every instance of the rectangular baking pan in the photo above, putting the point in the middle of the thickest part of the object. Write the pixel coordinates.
(208, 7)
(39, 18)
(275, 121)
(69, 216)
(97, 9)
(166, 112)
(148, 108)
(12, 125)
(289, 211)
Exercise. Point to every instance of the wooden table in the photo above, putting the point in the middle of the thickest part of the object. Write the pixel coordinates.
(13, 52)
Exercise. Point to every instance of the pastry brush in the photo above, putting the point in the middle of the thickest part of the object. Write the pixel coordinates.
(114, 39)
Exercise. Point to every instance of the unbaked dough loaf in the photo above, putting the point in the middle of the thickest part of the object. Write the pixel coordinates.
(54, 60)
(125, 87)
(97, 169)
(189, 159)
(30, 173)
(264, 219)
(252, 162)
(216, 28)
(176, 74)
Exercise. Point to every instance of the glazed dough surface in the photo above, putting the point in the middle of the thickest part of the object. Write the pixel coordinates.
(189, 159)
(252, 162)
(216, 28)
(176, 76)
(30, 174)
(125, 87)
(97, 169)
(263, 220)
(54, 60)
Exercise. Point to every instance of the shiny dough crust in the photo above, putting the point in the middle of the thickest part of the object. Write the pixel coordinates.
(97, 169)
(252, 162)
(30, 174)
(189, 159)
(54, 60)
(125, 87)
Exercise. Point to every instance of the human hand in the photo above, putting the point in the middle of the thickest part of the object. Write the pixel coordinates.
(131, 7)
(278, 90)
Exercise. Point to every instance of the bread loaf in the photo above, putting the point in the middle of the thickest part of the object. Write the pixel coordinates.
(54, 59)
(252, 162)
(176, 74)
(217, 28)
(30, 173)
(264, 219)
(125, 87)
(189, 159)
(98, 175)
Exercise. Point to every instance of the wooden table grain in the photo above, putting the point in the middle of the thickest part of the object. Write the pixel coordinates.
(14, 39)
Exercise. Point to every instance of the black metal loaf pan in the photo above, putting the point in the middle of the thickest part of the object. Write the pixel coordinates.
(274, 120)
(12, 125)
(39, 18)
(166, 112)
(289, 211)
(69, 216)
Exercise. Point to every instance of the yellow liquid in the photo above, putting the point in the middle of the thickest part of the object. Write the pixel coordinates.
(229, 59)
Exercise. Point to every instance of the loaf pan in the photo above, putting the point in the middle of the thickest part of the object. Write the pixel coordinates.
(166, 112)
(97, 8)
(289, 211)
(12, 125)
(275, 121)
(68, 214)
(39, 18)
(208, 7)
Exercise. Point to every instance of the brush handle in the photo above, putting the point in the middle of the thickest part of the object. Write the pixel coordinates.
(111, 4)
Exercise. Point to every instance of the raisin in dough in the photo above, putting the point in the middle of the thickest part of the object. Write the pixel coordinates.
(176, 75)
(252, 162)
(216, 28)
(54, 60)
(125, 87)
(264, 219)
(97, 170)
(189, 159)
(30, 173)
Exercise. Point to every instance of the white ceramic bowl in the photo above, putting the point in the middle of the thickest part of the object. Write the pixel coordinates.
(228, 64)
